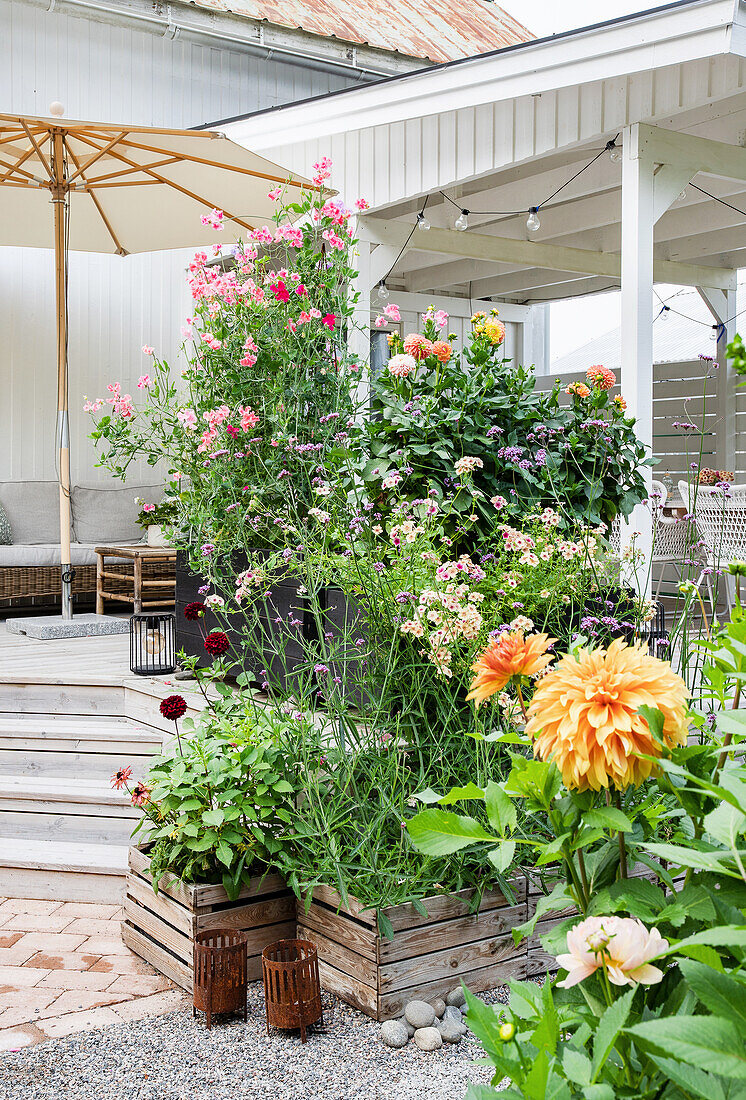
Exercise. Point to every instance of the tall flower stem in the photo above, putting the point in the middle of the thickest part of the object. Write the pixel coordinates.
(622, 845)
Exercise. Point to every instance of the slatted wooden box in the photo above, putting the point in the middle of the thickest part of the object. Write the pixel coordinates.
(427, 957)
(161, 927)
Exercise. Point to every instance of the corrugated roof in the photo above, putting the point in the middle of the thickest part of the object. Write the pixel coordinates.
(435, 30)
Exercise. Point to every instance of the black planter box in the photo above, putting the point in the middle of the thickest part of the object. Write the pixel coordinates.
(275, 645)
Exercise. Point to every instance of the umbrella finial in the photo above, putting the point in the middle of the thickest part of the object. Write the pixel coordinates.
(56, 109)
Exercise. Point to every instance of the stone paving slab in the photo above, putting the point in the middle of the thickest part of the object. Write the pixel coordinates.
(64, 969)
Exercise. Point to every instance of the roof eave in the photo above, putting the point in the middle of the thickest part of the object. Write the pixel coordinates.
(676, 33)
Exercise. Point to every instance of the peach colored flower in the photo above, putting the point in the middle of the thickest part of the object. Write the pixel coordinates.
(417, 345)
(495, 331)
(507, 656)
(578, 389)
(442, 350)
(601, 377)
(623, 946)
(584, 715)
(620, 402)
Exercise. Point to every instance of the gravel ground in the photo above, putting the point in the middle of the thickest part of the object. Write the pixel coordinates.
(175, 1058)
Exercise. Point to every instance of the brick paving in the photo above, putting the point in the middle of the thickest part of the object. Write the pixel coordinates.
(64, 969)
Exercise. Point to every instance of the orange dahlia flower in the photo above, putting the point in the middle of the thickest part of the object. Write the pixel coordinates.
(507, 656)
(442, 350)
(417, 346)
(584, 715)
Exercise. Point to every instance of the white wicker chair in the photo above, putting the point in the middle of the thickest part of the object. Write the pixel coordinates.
(720, 518)
(670, 535)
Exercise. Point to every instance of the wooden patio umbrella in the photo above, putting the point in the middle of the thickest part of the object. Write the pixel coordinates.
(120, 189)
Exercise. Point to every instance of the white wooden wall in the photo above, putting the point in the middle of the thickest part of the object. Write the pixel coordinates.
(109, 73)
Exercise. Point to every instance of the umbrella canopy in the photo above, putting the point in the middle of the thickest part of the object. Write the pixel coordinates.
(95, 187)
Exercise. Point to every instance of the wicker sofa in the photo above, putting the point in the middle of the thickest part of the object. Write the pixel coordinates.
(30, 565)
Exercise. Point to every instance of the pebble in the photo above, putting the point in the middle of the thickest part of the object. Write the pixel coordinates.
(394, 1034)
(452, 1013)
(419, 1014)
(456, 997)
(439, 1008)
(410, 1030)
(428, 1038)
(450, 1031)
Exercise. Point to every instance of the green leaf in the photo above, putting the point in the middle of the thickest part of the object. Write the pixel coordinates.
(213, 817)
(722, 936)
(655, 721)
(720, 993)
(428, 796)
(439, 832)
(576, 1066)
(609, 1027)
(691, 1080)
(500, 807)
(385, 927)
(460, 794)
(224, 853)
(708, 1042)
(502, 855)
(608, 817)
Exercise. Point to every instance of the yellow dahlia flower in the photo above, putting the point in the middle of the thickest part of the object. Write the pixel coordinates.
(584, 715)
(507, 656)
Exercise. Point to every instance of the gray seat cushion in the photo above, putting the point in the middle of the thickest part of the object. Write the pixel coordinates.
(45, 555)
(6, 532)
(33, 508)
(102, 516)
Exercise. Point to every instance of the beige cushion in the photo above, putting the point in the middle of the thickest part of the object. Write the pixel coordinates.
(110, 515)
(44, 555)
(33, 508)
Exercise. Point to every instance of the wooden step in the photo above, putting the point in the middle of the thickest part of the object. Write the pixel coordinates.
(35, 696)
(65, 809)
(62, 871)
(84, 745)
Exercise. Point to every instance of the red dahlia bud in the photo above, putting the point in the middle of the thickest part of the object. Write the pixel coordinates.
(194, 611)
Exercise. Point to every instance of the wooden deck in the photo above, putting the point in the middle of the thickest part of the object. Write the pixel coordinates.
(100, 661)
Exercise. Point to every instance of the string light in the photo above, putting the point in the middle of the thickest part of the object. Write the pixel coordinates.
(665, 310)
(532, 221)
(382, 294)
(615, 153)
(422, 220)
(462, 221)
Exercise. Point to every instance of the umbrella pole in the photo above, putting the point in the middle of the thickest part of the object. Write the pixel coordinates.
(59, 201)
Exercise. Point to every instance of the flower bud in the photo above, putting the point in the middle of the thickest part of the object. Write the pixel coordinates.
(507, 1031)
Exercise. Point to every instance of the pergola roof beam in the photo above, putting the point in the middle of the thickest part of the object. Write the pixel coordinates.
(534, 254)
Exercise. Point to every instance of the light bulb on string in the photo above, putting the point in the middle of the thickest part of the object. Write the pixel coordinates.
(714, 334)
(532, 221)
(665, 310)
(422, 221)
(615, 153)
(462, 221)
(383, 292)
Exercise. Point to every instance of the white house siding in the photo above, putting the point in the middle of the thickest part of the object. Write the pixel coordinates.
(105, 72)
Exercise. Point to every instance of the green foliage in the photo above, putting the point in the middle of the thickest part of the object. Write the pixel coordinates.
(218, 805)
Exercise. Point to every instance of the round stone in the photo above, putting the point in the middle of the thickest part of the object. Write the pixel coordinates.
(450, 1031)
(419, 1014)
(394, 1034)
(456, 997)
(405, 1023)
(428, 1038)
(439, 1007)
(452, 1013)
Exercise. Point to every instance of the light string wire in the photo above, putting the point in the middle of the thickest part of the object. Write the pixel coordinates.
(609, 147)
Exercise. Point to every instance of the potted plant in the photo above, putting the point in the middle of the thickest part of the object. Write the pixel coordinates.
(214, 810)
(155, 519)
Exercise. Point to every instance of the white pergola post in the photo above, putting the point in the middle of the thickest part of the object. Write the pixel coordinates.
(722, 306)
(359, 335)
(638, 219)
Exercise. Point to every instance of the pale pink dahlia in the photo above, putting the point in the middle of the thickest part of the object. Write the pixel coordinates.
(623, 946)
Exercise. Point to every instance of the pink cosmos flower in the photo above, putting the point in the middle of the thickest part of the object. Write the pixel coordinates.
(274, 194)
(362, 204)
(147, 350)
(187, 418)
(380, 321)
(391, 310)
(623, 946)
(249, 419)
(144, 382)
(321, 171)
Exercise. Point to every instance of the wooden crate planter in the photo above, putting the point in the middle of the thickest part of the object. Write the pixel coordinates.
(427, 957)
(161, 927)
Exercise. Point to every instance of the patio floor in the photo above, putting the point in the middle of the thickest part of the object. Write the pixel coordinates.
(64, 969)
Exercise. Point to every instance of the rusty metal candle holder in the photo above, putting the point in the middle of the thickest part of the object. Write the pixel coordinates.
(292, 990)
(220, 972)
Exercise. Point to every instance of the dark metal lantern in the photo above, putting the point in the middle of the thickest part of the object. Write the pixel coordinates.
(292, 989)
(152, 644)
(220, 972)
